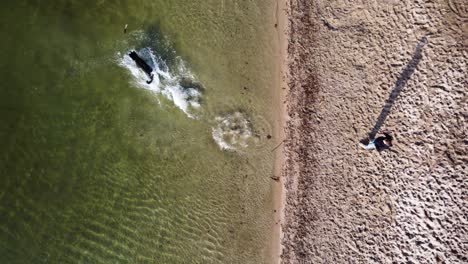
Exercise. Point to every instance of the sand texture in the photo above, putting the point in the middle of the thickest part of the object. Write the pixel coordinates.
(356, 67)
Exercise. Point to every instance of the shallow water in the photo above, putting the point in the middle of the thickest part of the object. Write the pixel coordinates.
(98, 167)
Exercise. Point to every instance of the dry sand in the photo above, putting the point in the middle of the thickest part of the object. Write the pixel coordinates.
(355, 65)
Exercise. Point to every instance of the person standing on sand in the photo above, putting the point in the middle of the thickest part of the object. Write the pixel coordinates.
(381, 143)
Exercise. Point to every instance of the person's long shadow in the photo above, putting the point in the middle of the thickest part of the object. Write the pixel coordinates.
(405, 75)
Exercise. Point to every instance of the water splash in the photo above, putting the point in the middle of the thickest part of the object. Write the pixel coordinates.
(176, 83)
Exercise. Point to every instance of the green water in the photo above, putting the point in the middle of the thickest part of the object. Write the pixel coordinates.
(95, 169)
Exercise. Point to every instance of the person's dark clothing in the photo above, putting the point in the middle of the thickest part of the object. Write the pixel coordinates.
(379, 142)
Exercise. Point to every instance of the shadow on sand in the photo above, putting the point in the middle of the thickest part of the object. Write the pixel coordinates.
(405, 75)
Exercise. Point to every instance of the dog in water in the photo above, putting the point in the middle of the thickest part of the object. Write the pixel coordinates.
(142, 65)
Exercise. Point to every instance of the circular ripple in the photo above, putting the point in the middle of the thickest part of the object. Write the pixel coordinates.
(237, 131)
(233, 131)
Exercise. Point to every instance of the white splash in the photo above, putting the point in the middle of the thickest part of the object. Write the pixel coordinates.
(232, 132)
(166, 81)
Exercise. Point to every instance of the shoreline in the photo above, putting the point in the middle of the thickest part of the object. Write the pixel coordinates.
(281, 15)
(354, 68)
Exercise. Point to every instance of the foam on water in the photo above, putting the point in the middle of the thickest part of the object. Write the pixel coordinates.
(232, 132)
(177, 84)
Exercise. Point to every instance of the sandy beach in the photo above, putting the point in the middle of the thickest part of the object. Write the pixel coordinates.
(352, 69)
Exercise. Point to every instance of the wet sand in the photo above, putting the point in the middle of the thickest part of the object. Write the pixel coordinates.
(354, 68)
(280, 107)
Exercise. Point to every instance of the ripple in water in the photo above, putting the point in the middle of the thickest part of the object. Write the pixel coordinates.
(237, 131)
(233, 132)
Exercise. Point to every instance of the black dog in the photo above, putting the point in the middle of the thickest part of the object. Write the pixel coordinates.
(143, 65)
